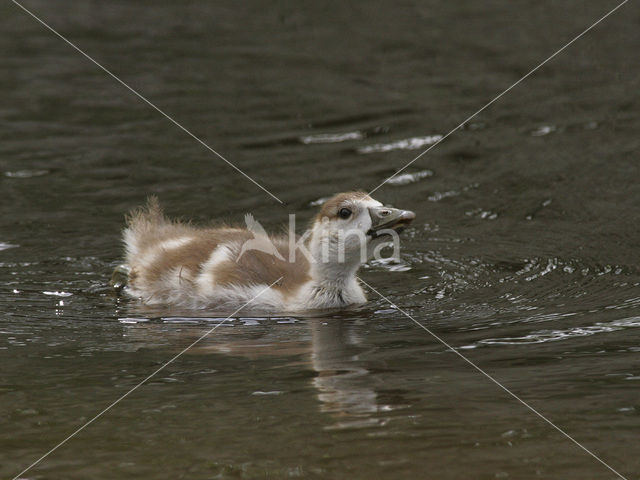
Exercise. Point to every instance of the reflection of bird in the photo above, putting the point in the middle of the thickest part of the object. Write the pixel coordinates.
(260, 240)
(174, 263)
(343, 381)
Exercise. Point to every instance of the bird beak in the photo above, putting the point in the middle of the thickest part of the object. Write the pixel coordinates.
(388, 218)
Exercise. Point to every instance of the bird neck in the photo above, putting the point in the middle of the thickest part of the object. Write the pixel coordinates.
(331, 269)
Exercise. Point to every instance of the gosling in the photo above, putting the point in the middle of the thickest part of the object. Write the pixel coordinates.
(176, 264)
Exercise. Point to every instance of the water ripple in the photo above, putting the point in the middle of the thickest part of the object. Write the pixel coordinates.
(544, 336)
(26, 173)
(332, 137)
(406, 144)
(406, 178)
(5, 246)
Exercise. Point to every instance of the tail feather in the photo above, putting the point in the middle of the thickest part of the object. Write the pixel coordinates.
(147, 215)
(145, 225)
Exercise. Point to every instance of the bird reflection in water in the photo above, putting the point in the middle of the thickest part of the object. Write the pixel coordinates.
(335, 347)
(345, 386)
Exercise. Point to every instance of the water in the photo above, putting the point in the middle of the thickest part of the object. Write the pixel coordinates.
(524, 254)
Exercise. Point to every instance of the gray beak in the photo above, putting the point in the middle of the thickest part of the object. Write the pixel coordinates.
(389, 218)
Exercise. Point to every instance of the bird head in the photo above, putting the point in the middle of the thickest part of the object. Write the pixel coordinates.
(350, 226)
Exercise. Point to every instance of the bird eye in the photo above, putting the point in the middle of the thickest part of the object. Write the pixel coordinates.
(344, 213)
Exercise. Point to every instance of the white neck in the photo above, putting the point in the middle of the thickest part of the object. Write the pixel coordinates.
(333, 276)
(333, 282)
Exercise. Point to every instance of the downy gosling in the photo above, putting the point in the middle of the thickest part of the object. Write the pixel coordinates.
(176, 264)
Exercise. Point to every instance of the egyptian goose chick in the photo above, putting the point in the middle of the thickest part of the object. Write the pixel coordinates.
(172, 263)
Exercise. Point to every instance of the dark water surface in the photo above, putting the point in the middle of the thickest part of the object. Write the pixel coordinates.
(524, 255)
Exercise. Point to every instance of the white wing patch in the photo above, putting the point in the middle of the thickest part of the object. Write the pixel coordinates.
(206, 280)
